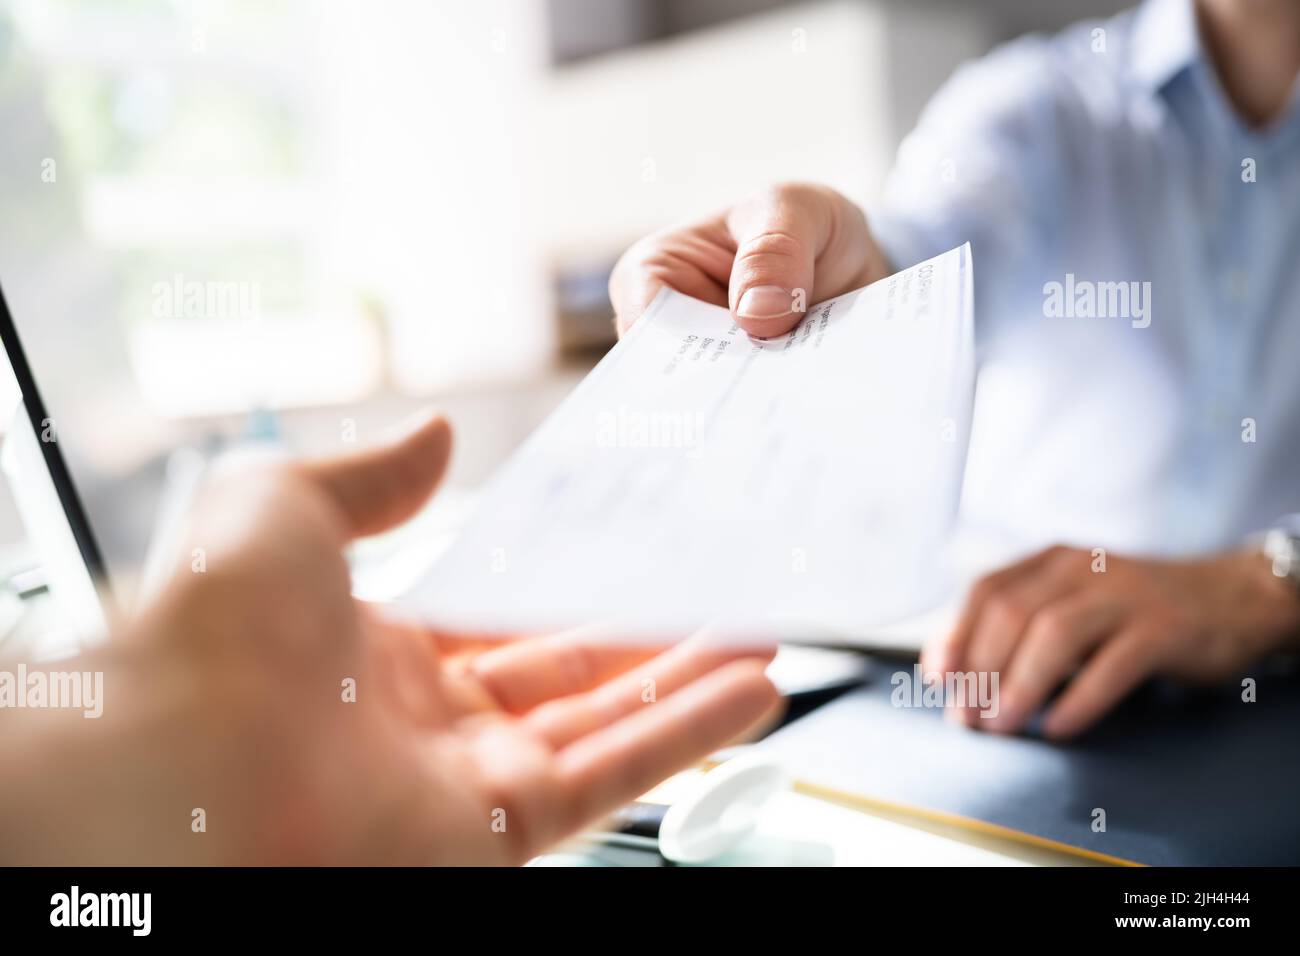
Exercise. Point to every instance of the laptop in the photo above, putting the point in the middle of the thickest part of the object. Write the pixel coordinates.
(46, 495)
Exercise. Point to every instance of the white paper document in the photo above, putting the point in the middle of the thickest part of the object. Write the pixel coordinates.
(794, 487)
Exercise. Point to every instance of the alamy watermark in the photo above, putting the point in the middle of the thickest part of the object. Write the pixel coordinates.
(626, 427)
(973, 689)
(1084, 299)
(42, 689)
(75, 908)
(183, 298)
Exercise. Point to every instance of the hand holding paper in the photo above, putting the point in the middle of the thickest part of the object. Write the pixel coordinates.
(761, 486)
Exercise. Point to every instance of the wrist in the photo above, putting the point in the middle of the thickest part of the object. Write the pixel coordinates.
(1269, 601)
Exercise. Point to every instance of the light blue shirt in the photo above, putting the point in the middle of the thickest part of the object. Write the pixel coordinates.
(1111, 154)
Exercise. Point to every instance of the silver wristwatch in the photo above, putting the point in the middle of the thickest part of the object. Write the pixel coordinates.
(1282, 547)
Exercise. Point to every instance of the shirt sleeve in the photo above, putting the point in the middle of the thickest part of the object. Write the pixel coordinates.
(981, 166)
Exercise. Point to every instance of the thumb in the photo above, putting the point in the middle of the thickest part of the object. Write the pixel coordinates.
(381, 487)
(778, 235)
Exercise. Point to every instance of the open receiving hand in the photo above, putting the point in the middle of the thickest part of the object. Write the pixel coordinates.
(767, 259)
(1105, 626)
(308, 728)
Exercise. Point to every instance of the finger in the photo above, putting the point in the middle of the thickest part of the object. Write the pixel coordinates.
(1118, 667)
(421, 667)
(695, 260)
(449, 645)
(778, 235)
(999, 610)
(560, 722)
(380, 487)
(1008, 610)
(516, 775)
(948, 653)
(410, 671)
(521, 675)
(1057, 641)
(1006, 619)
(606, 769)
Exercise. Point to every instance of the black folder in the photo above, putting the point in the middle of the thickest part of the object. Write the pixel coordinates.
(1184, 777)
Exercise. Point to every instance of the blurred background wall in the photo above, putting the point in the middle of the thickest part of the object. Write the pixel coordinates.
(297, 220)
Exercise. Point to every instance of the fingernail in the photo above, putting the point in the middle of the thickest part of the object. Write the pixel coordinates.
(764, 302)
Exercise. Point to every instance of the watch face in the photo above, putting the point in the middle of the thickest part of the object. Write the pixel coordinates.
(1283, 548)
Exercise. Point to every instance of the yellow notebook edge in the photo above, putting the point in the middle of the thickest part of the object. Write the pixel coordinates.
(865, 803)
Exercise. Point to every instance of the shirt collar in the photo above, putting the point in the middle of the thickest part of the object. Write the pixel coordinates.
(1165, 42)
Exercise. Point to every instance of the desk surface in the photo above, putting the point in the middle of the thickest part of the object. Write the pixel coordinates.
(799, 829)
